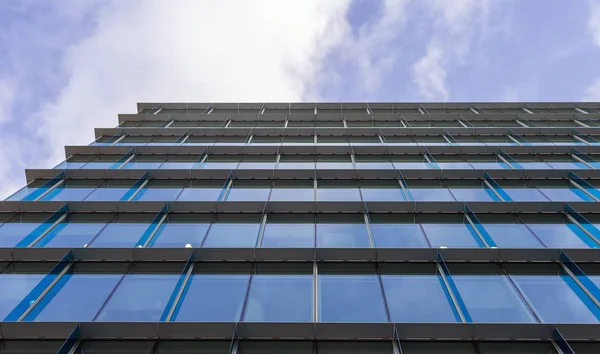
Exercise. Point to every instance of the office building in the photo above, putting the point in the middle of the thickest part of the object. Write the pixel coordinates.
(303, 228)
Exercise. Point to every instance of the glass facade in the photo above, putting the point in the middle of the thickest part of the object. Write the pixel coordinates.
(312, 228)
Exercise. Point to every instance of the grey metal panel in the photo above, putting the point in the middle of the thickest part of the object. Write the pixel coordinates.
(38, 254)
(224, 254)
(579, 331)
(383, 331)
(271, 330)
(5, 254)
(196, 330)
(346, 254)
(284, 254)
(120, 330)
(469, 331)
(36, 330)
(406, 254)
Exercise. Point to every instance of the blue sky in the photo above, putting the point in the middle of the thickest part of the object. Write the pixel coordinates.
(67, 67)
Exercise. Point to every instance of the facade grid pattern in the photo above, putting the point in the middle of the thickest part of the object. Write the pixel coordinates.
(296, 228)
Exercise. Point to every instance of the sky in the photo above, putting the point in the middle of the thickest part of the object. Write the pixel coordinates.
(67, 67)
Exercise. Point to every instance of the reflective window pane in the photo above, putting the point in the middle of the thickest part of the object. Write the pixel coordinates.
(280, 298)
(231, 231)
(13, 232)
(396, 231)
(14, 288)
(560, 235)
(512, 236)
(350, 298)
(214, 297)
(289, 231)
(445, 234)
(139, 297)
(126, 231)
(71, 234)
(335, 232)
(178, 235)
(431, 194)
(199, 194)
(76, 297)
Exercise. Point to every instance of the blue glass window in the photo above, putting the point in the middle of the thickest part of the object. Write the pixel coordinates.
(487, 295)
(160, 190)
(124, 231)
(471, 190)
(202, 191)
(414, 293)
(177, 165)
(555, 298)
(520, 191)
(13, 232)
(561, 190)
(250, 190)
(214, 297)
(350, 298)
(75, 297)
(220, 162)
(289, 231)
(259, 162)
(233, 231)
(507, 234)
(67, 193)
(139, 297)
(429, 191)
(342, 231)
(15, 287)
(449, 231)
(181, 230)
(381, 190)
(334, 162)
(77, 230)
(337, 190)
(554, 232)
(109, 191)
(396, 231)
(280, 298)
(293, 194)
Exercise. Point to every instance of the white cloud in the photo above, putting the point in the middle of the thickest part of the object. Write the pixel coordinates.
(195, 51)
(594, 21)
(7, 94)
(454, 25)
(592, 93)
(430, 76)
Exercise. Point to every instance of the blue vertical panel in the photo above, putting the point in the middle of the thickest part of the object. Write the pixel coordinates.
(38, 231)
(497, 187)
(35, 293)
(585, 185)
(479, 227)
(510, 160)
(123, 159)
(225, 191)
(71, 342)
(152, 228)
(41, 190)
(589, 285)
(561, 342)
(179, 292)
(134, 188)
(432, 162)
(453, 289)
(586, 225)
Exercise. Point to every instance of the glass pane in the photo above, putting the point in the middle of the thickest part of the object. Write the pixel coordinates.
(76, 297)
(139, 297)
(289, 235)
(68, 194)
(473, 194)
(200, 194)
(491, 298)
(382, 194)
(106, 194)
(525, 194)
(120, 235)
(214, 297)
(398, 235)
(157, 194)
(450, 235)
(179, 235)
(565, 194)
(14, 288)
(417, 298)
(13, 232)
(342, 235)
(338, 194)
(512, 236)
(559, 235)
(350, 298)
(431, 194)
(223, 235)
(71, 234)
(248, 194)
(293, 194)
(280, 298)
(553, 299)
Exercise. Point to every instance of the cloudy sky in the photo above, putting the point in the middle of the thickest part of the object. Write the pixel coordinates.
(69, 66)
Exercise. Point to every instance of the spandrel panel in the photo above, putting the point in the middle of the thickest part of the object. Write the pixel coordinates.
(139, 297)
